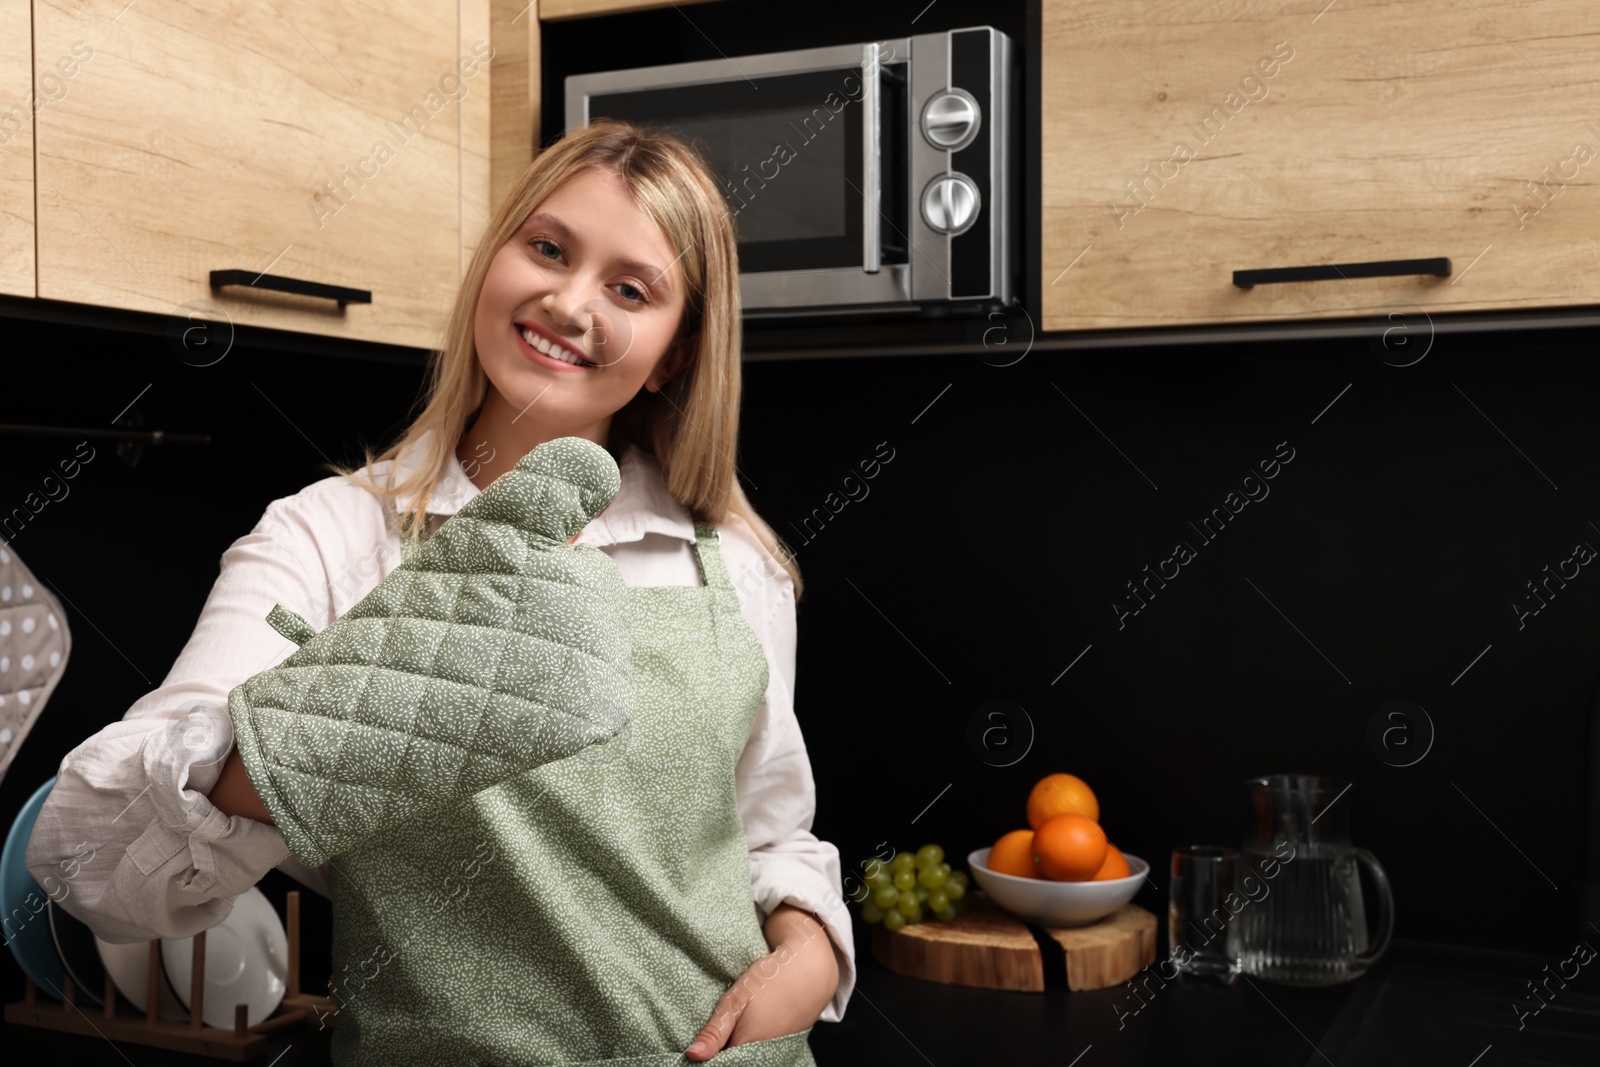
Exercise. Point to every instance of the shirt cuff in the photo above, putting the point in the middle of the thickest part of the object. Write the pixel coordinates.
(204, 857)
(782, 881)
(153, 856)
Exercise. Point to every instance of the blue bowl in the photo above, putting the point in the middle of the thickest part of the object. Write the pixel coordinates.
(24, 904)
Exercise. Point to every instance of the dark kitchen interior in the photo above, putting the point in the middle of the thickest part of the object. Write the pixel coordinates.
(1410, 546)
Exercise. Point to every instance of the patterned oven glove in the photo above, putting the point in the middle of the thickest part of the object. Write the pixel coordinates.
(34, 646)
(497, 648)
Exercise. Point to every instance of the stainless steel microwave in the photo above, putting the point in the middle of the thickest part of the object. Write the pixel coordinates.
(867, 177)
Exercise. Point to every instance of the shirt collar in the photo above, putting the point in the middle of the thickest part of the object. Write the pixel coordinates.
(642, 505)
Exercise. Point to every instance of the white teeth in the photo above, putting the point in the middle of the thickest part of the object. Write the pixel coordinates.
(551, 350)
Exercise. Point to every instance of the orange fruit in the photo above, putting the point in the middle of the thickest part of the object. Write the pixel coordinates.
(1013, 855)
(1115, 866)
(1069, 848)
(1061, 794)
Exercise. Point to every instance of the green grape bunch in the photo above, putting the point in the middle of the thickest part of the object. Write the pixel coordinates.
(910, 888)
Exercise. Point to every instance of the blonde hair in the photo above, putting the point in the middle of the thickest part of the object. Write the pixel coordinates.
(691, 426)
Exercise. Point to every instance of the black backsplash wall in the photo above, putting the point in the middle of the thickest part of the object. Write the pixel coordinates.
(1385, 558)
(984, 558)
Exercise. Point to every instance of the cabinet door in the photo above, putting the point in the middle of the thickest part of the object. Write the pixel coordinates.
(554, 10)
(17, 103)
(1182, 142)
(302, 139)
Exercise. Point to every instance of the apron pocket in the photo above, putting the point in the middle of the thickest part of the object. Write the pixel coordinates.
(789, 1050)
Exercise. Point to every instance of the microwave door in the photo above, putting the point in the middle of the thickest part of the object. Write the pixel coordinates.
(794, 158)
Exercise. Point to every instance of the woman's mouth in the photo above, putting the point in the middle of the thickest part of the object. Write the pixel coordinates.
(544, 352)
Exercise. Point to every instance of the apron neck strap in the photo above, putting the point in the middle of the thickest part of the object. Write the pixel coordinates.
(709, 556)
(407, 549)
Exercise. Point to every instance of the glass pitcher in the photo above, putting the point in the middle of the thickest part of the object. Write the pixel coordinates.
(1304, 921)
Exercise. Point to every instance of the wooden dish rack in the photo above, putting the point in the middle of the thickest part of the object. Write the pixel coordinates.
(238, 1044)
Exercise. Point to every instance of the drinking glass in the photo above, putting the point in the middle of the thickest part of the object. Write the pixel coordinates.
(1202, 939)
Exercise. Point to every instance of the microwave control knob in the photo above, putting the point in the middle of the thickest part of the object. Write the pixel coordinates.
(950, 203)
(950, 120)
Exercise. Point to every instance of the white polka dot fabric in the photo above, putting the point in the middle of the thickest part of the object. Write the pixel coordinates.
(34, 646)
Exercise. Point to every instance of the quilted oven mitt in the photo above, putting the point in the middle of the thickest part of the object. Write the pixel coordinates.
(496, 648)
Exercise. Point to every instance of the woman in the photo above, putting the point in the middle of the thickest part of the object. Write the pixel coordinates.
(589, 909)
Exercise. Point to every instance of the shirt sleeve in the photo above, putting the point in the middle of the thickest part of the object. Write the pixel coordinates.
(776, 790)
(128, 835)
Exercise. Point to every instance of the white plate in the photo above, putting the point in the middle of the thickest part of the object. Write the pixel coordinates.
(129, 966)
(247, 962)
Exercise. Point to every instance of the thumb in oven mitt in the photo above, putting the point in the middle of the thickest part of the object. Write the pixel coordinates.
(498, 647)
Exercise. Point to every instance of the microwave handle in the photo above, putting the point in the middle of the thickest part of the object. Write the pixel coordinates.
(871, 173)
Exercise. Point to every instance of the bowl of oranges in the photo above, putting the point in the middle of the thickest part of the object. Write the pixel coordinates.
(1062, 870)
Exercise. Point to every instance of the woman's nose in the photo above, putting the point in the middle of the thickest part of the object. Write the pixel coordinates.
(579, 314)
(562, 303)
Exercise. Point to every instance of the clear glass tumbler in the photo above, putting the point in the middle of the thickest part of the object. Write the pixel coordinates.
(1202, 938)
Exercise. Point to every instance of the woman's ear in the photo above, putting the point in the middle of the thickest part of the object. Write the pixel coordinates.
(672, 363)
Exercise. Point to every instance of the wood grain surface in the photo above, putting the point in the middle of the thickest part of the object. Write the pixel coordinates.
(1182, 142)
(990, 948)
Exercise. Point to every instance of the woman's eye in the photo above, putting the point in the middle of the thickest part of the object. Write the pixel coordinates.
(629, 292)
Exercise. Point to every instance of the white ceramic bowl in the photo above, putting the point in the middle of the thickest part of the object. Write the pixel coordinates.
(1051, 903)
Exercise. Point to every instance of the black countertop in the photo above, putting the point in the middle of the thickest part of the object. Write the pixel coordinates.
(1422, 1004)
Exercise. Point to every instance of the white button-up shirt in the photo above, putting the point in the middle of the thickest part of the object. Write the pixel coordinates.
(130, 843)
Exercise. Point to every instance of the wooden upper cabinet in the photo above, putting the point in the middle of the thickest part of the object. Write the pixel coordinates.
(556, 10)
(17, 104)
(315, 141)
(1182, 144)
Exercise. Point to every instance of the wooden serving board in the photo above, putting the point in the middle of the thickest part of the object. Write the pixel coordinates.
(991, 948)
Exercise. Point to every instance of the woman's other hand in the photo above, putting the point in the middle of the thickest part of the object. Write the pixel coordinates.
(782, 993)
(234, 795)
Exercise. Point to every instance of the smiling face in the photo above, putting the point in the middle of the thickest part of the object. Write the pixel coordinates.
(589, 277)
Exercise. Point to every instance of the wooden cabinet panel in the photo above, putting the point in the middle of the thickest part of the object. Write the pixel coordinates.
(551, 10)
(310, 140)
(17, 104)
(1182, 142)
(513, 100)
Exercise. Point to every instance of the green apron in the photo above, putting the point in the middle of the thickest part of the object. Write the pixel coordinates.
(591, 911)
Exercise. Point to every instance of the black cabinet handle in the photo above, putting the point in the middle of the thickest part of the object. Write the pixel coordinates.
(1385, 268)
(291, 285)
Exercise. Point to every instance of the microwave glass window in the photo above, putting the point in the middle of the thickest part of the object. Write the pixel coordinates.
(777, 185)
(786, 150)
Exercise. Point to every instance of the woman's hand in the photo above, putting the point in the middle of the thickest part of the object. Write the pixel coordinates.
(234, 795)
(782, 993)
